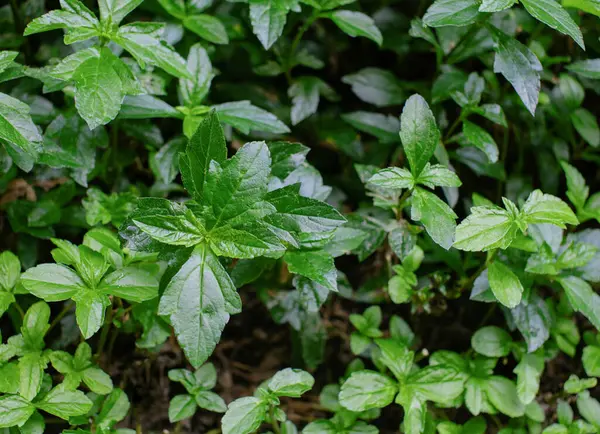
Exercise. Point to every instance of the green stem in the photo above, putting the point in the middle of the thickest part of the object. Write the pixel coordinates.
(60, 316)
(274, 421)
(455, 125)
(105, 330)
(309, 22)
(19, 308)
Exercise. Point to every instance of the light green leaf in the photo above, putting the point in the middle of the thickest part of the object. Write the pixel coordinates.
(438, 175)
(207, 27)
(357, 24)
(384, 127)
(365, 390)
(451, 13)
(587, 126)
(481, 139)
(199, 299)
(291, 382)
(588, 68)
(519, 65)
(181, 407)
(591, 360)
(419, 133)
(376, 86)
(142, 40)
(582, 298)
(206, 145)
(437, 383)
(492, 341)
(484, 229)
(553, 15)
(90, 307)
(315, 265)
(496, 5)
(52, 282)
(393, 178)
(10, 270)
(502, 393)
(529, 370)
(116, 10)
(268, 18)
(131, 283)
(14, 411)
(244, 416)
(505, 284)
(246, 117)
(168, 222)
(545, 208)
(437, 217)
(18, 131)
(65, 404)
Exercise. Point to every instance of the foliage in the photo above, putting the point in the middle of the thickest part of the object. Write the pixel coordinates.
(406, 189)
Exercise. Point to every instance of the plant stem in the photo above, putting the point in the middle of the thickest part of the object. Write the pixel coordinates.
(274, 421)
(456, 123)
(105, 330)
(60, 316)
(309, 22)
(19, 308)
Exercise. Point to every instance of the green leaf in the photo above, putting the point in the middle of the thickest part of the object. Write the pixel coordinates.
(545, 208)
(115, 408)
(10, 270)
(315, 265)
(591, 360)
(529, 370)
(210, 401)
(52, 282)
(519, 65)
(384, 127)
(505, 285)
(291, 382)
(90, 307)
(14, 411)
(577, 190)
(142, 40)
(305, 94)
(553, 15)
(438, 175)
(393, 178)
(588, 68)
(199, 299)
(206, 145)
(146, 106)
(298, 215)
(168, 222)
(131, 283)
(246, 117)
(419, 133)
(207, 27)
(437, 383)
(268, 18)
(492, 341)
(195, 90)
(437, 217)
(98, 89)
(357, 24)
(244, 416)
(116, 10)
(533, 320)
(18, 131)
(484, 229)
(181, 407)
(451, 13)
(496, 5)
(502, 393)
(97, 380)
(365, 390)
(481, 139)
(65, 404)
(587, 126)
(376, 86)
(396, 357)
(582, 298)
(80, 23)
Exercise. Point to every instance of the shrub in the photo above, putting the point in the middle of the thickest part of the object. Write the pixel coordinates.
(316, 216)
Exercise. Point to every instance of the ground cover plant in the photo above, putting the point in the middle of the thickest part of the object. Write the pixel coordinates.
(299, 216)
